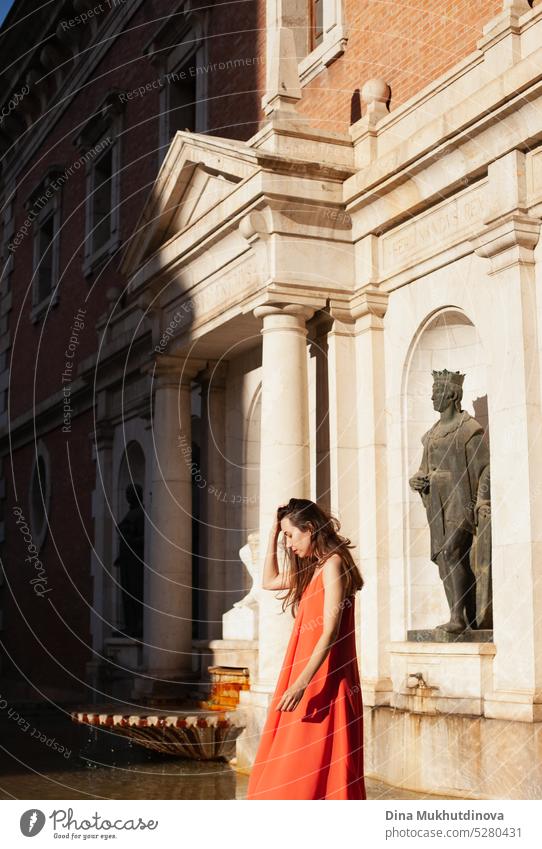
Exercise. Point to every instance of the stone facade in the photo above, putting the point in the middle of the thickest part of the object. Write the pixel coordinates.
(285, 300)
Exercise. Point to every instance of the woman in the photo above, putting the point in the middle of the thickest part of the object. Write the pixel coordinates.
(312, 742)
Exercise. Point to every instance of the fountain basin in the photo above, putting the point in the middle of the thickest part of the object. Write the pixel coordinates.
(196, 735)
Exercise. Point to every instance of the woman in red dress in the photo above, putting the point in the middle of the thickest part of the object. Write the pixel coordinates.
(312, 742)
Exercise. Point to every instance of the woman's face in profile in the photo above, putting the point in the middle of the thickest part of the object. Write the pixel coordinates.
(296, 540)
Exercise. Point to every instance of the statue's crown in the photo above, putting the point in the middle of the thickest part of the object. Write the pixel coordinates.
(449, 377)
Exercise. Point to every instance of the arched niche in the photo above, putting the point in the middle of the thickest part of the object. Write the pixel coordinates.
(131, 471)
(446, 340)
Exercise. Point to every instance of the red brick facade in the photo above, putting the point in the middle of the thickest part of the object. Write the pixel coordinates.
(408, 43)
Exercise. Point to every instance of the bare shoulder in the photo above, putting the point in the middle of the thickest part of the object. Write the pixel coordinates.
(331, 570)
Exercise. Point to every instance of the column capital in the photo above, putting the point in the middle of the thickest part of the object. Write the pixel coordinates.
(368, 308)
(215, 374)
(508, 241)
(167, 370)
(102, 435)
(302, 311)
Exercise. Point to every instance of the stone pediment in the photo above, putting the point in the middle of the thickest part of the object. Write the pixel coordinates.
(196, 174)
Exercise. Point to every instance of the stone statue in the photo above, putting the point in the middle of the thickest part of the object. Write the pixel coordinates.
(131, 530)
(453, 481)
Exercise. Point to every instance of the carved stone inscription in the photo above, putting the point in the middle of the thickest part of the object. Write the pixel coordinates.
(434, 231)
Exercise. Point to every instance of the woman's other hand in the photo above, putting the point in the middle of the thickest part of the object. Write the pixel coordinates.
(291, 697)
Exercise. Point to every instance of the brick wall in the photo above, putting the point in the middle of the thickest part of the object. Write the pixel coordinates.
(407, 42)
(238, 33)
(48, 637)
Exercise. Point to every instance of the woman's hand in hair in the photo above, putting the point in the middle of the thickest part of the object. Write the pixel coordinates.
(291, 697)
(275, 528)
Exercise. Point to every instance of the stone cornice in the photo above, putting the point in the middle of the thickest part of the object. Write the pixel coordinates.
(264, 188)
(170, 33)
(508, 241)
(488, 104)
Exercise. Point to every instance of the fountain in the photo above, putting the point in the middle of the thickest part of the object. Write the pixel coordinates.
(197, 735)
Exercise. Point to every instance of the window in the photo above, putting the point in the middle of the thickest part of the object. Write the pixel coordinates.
(327, 36)
(44, 210)
(181, 111)
(102, 227)
(316, 23)
(45, 260)
(99, 144)
(319, 31)
(183, 95)
(102, 200)
(7, 225)
(179, 53)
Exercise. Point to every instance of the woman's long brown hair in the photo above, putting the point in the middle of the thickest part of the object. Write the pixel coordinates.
(325, 540)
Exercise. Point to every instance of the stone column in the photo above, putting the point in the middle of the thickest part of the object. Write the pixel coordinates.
(284, 470)
(212, 498)
(368, 312)
(343, 448)
(168, 611)
(515, 420)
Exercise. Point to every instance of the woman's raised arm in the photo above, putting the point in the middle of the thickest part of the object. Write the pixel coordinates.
(272, 579)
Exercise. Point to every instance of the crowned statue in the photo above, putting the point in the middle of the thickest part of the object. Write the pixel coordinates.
(453, 482)
(131, 530)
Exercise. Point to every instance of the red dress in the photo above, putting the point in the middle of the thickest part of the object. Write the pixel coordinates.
(316, 750)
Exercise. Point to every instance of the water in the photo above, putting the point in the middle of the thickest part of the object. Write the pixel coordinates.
(50, 757)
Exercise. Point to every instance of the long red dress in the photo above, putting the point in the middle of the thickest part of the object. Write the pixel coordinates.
(316, 750)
